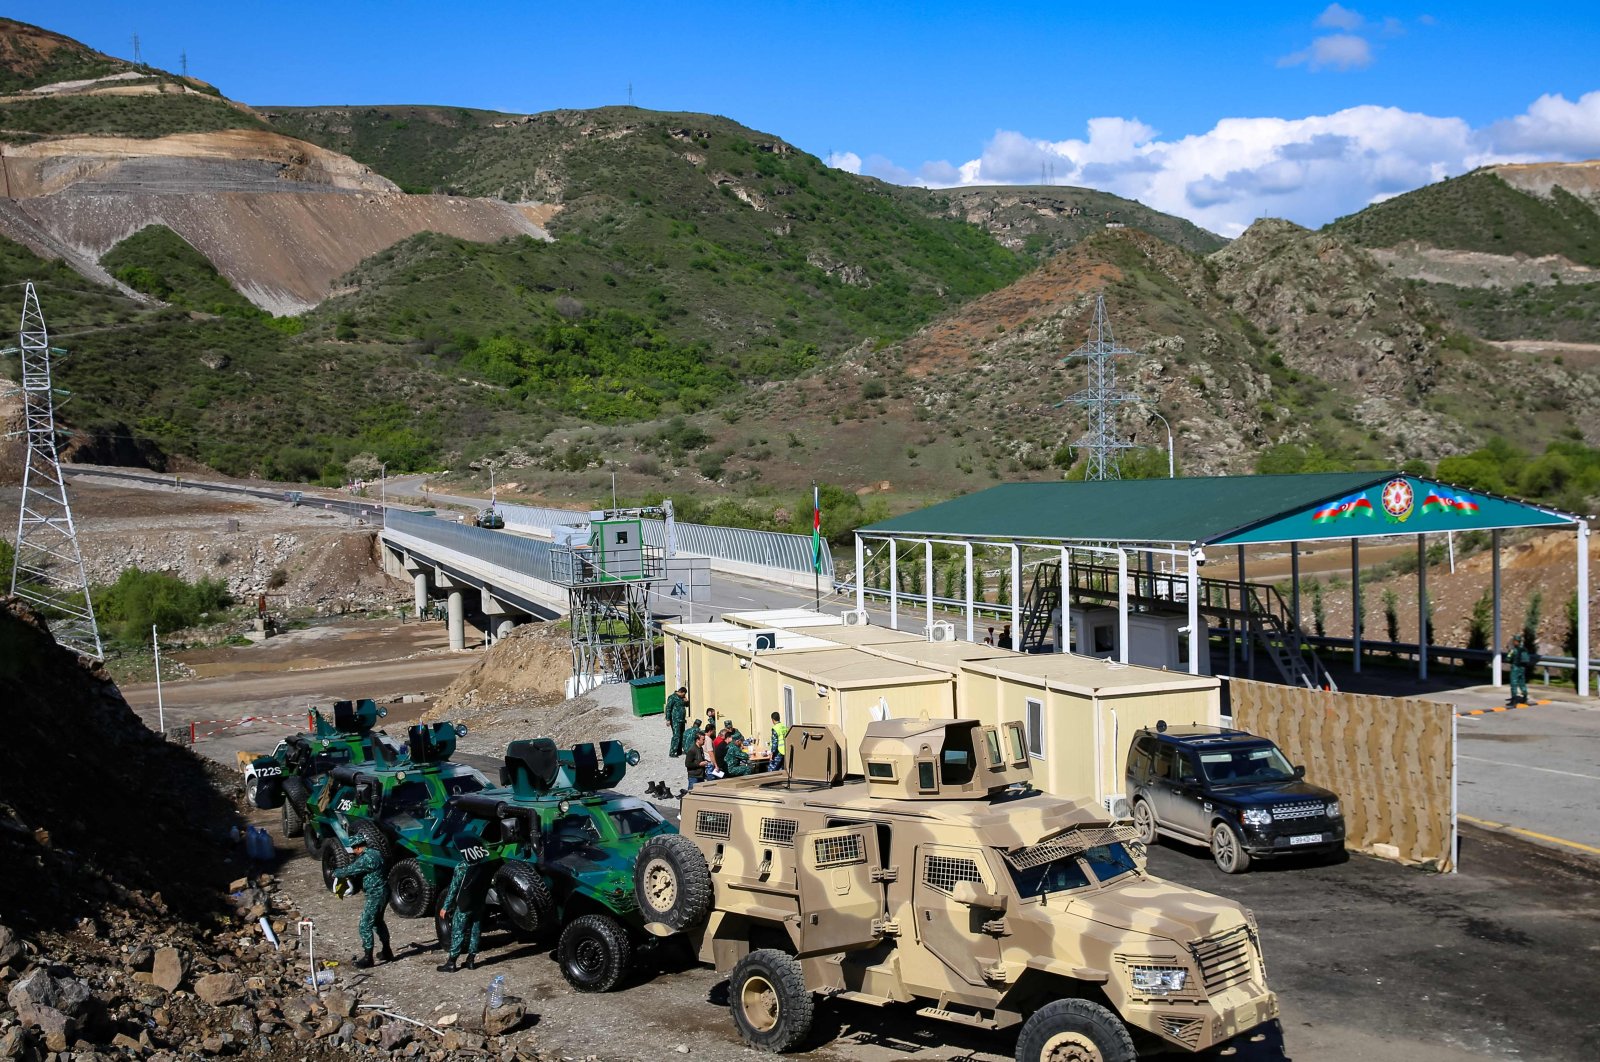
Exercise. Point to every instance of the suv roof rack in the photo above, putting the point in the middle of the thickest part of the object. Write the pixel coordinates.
(1199, 733)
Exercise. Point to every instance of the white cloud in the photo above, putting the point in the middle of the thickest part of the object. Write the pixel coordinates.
(1337, 51)
(848, 161)
(1336, 16)
(1309, 170)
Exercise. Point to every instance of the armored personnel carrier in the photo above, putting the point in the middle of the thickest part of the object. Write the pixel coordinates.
(565, 844)
(941, 879)
(292, 776)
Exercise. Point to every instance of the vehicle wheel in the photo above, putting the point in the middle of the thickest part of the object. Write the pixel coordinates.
(525, 898)
(370, 832)
(410, 890)
(1144, 820)
(292, 824)
(441, 932)
(313, 843)
(671, 882)
(250, 788)
(333, 856)
(1227, 852)
(594, 951)
(1075, 1030)
(294, 792)
(769, 1000)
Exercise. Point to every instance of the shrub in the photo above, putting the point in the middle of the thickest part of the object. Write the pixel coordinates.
(139, 600)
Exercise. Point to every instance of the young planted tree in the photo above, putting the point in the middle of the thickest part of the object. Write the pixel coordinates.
(1482, 620)
(1319, 611)
(1530, 619)
(1391, 615)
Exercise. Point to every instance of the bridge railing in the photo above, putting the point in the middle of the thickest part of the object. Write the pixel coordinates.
(527, 556)
(762, 549)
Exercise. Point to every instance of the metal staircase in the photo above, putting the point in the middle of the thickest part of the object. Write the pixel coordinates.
(1044, 597)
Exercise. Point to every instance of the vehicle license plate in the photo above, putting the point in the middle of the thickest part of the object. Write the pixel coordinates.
(1305, 838)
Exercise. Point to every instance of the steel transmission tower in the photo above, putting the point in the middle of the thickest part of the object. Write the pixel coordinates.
(1102, 396)
(49, 571)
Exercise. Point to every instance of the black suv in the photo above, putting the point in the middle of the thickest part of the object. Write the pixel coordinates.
(1232, 790)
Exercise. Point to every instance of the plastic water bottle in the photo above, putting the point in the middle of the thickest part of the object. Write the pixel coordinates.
(497, 991)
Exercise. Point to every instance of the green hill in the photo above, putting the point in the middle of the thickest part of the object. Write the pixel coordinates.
(1479, 211)
(31, 56)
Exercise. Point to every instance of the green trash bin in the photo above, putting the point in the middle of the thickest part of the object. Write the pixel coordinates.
(649, 695)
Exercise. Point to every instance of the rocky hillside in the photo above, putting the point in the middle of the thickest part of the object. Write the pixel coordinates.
(1512, 253)
(1045, 220)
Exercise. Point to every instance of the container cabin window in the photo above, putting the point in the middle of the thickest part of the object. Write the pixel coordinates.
(788, 706)
(1035, 728)
(1104, 640)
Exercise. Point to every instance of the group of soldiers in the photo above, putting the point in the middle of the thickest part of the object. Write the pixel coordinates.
(462, 903)
(728, 756)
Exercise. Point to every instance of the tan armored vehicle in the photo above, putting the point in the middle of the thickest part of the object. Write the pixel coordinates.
(943, 879)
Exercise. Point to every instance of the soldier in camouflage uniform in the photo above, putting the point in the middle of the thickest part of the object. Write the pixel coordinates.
(368, 867)
(468, 889)
(677, 712)
(1522, 659)
(736, 761)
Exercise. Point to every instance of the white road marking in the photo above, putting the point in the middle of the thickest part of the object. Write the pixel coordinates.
(1526, 767)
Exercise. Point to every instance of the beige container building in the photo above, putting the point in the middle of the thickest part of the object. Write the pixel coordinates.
(1079, 712)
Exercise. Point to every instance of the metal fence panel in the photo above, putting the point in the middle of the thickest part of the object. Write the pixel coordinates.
(527, 556)
(770, 549)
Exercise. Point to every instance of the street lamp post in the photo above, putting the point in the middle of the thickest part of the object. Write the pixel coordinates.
(383, 485)
(1172, 468)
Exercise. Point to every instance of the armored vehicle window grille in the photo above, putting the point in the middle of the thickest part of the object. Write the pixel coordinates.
(1185, 1030)
(1068, 844)
(1297, 811)
(713, 824)
(778, 832)
(840, 850)
(1225, 960)
(942, 872)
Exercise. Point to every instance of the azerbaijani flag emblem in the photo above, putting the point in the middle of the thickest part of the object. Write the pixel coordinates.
(1443, 501)
(1344, 507)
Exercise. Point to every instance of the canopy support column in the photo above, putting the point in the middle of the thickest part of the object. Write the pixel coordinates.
(861, 574)
(928, 572)
(1355, 601)
(1065, 638)
(1245, 654)
(1494, 540)
(1294, 584)
(1122, 606)
(894, 585)
(1194, 617)
(971, 608)
(1016, 595)
(1583, 608)
(1422, 607)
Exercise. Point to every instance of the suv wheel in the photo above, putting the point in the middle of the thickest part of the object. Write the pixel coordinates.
(293, 824)
(1227, 851)
(594, 951)
(770, 1003)
(1144, 820)
(410, 891)
(525, 899)
(671, 882)
(1074, 1030)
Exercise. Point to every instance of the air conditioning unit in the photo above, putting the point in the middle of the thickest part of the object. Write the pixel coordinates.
(1117, 808)
(760, 641)
(855, 618)
(941, 631)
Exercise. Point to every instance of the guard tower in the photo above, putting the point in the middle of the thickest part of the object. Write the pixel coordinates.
(608, 569)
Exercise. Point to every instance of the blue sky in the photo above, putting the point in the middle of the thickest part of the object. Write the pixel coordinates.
(1219, 113)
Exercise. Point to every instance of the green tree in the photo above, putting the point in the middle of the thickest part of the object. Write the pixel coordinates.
(8, 561)
(1530, 620)
(139, 600)
(1319, 612)
(1391, 615)
(1482, 621)
(1569, 640)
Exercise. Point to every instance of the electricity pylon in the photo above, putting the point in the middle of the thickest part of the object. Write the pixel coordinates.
(1102, 397)
(49, 571)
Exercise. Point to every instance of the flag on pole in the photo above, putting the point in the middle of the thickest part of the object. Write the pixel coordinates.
(816, 529)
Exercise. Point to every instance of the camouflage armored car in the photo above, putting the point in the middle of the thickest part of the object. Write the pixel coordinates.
(943, 880)
(293, 775)
(382, 797)
(565, 844)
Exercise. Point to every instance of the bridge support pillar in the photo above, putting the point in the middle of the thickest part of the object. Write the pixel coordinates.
(420, 583)
(503, 627)
(458, 621)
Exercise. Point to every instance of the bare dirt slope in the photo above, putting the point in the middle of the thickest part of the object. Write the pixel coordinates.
(281, 219)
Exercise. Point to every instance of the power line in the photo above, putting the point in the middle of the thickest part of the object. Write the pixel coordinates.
(1102, 398)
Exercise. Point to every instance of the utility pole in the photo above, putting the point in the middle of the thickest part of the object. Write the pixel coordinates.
(137, 59)
(49, 573)
(183, 62)
(1102, 397)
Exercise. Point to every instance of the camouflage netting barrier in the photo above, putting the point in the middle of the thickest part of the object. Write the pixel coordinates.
(1390, 759)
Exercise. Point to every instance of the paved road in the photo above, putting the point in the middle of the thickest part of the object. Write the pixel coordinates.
(1537, 769)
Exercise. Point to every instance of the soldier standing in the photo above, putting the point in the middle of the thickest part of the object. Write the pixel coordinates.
(1521, 660)
(463, 903)
(368, 867)
(694, 756)
(677, 711)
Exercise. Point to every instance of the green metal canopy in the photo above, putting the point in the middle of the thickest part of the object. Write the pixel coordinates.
(1219, 510)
